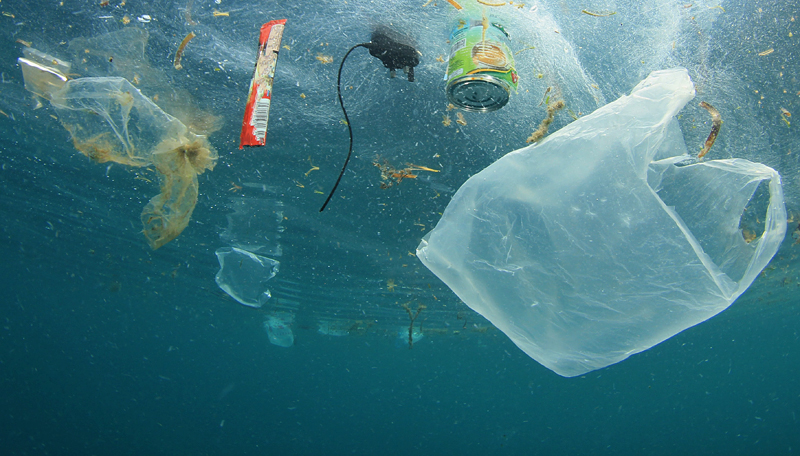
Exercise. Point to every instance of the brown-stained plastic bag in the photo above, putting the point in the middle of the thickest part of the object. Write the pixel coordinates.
(111, 121)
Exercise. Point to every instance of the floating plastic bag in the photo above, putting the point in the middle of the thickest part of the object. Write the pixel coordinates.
(279, 329)
(110, 120)
(244, 275)
(584, 251)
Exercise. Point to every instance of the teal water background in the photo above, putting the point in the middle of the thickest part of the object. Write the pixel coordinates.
(107, 347)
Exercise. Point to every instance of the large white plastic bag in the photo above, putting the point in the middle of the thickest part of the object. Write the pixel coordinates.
(568, 248)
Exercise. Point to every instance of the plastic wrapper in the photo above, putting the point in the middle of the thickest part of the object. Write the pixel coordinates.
(605, 238)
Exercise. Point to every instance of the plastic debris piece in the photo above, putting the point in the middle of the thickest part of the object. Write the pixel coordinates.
(98, 113)
(43, 74)
(178, 163)
(279, 329)
(584, 250)
(256, 113)
(244, 275)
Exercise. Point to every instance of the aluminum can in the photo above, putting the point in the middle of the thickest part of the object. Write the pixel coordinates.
(480, 70)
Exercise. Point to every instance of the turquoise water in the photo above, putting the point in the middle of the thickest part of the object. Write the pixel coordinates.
(109, 347)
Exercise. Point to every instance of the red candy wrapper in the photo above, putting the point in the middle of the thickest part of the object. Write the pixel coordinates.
(256, 114)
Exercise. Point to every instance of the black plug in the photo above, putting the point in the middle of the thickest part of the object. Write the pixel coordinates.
(394, 54)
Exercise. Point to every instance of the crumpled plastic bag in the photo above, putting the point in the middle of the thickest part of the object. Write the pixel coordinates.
(111, 121)
(584, 250)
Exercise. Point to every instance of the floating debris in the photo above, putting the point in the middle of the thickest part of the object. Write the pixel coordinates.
(716, 123)
(391, 175)
(598, 14)
(179, 53)
(412, 317)
(313, 167)
(552, 108)
(545, 97)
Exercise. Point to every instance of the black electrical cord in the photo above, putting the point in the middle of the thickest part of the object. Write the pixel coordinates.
(346, 120)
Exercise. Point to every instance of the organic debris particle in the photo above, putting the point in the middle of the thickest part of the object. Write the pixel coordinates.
(599, 13)
(313, 167)
(767, 52)
(389, 173)
(220, 14)
(552, 108)
(716, 123)
(325, 59)
(446, 120)
(179, 53)
(545, 98)
(460, 119)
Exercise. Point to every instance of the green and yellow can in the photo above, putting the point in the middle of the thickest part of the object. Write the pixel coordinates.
(480, 71)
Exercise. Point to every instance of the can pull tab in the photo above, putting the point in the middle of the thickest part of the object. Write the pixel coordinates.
(394, 54)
